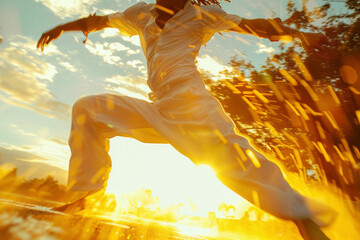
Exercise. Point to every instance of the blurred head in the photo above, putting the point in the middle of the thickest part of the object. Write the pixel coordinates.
(172, 4)
(208, 2)
(167, 8)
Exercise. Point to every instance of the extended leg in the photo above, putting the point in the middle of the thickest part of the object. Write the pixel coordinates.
(94, 120)
(201, 130)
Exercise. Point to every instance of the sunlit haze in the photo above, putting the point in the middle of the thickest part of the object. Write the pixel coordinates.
(299, 106)
(171, 177)
(36, 107)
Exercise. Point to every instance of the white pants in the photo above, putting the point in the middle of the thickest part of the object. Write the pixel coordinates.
(192, 121)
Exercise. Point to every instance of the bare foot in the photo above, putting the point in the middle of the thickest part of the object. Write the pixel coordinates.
(309, 230)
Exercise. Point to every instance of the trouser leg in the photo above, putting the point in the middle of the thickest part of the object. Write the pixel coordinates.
(261, 182)
(206, 135)
(199, 130)
(245, 171)
(95, 119)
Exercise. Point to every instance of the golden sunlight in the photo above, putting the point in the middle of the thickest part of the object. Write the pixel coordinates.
(212, 65)
(170, 176)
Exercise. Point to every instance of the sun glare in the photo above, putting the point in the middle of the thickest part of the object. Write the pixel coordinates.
(211, 65)
(170, 176)
(206, 171)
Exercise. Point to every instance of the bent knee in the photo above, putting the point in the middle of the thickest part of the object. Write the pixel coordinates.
(83, 108)
(84, 103)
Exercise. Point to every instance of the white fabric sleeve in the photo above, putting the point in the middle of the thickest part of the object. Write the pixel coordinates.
(126, 21)
(218, 20)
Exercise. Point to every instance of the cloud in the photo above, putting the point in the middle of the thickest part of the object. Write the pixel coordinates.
(131, 52)
(110, 32)
(21, 131)
(29, 165)
(105, 11)
(212, 66)
(21, 60)
(264, 49)
(52, 108)
(68, 66)
(139, 65)
(59, 141)
(28, 44)
(129, 86)
(70, 8)
(24, 79)
(116, 46)
(106, 51)
(9, 154)
(53, 151)
(134, 63)
(134, 40)
(114, 32)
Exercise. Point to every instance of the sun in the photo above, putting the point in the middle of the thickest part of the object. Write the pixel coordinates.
(172, 177)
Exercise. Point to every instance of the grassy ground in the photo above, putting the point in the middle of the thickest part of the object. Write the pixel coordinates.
(26, 218)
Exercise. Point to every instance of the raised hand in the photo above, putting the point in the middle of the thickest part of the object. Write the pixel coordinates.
(48, 36)
(312, 41)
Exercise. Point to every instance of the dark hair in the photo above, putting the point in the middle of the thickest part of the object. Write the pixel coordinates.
(207, 2)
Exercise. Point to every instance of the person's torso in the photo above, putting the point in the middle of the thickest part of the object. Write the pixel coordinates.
(171, 52)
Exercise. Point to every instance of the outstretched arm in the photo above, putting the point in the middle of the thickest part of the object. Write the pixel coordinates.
(274, 30)
(86, 25)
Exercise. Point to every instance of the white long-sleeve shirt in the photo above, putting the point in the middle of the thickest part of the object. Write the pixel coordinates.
(171, 51)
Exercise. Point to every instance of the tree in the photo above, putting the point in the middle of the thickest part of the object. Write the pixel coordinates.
(302, 107)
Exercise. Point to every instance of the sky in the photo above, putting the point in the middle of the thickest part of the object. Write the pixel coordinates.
(38, 89)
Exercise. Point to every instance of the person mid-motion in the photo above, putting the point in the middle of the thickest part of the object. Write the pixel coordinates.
(182, 112)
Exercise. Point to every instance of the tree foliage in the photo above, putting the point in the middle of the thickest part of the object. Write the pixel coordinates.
(303, 106)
